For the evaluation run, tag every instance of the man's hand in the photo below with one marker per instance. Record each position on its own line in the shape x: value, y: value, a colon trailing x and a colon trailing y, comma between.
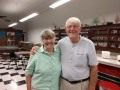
x: 34, y: 50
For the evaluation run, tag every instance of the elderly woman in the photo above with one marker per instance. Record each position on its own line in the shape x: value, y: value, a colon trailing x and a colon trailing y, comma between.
x: 44, y: 67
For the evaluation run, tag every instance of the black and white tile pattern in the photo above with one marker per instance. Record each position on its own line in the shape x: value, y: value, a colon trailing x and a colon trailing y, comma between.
x: 12, y: 78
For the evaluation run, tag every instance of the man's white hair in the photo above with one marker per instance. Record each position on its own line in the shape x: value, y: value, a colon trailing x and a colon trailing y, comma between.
x: 74, y: 20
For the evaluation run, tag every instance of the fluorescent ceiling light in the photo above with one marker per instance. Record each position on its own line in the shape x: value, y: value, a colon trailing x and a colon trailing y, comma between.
x: 58, y: 3
x: 13, y: 24
x: 28, y: 17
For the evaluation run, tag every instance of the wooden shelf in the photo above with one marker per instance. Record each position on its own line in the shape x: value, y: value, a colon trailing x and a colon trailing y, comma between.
x: 106, y: 40
x: 105, y: 37
x: 10, y: 37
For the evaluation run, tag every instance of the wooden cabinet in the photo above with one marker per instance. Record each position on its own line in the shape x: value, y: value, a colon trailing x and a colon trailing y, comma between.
x: 27, y: 46
x: 19, y: 36
x: 10, y: 37
x: 105, y: 37
x: 85, y: 32
x: 59, y: 34
x: 99, y: 37
x: 2, y: 37
x: 114, y: 38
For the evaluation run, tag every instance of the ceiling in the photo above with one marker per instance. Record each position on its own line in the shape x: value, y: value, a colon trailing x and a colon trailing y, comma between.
x: 17, y: 9
x: 13, y: 10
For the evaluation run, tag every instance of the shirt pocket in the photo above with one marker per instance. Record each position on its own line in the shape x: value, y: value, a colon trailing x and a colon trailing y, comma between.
x: 80, y: 59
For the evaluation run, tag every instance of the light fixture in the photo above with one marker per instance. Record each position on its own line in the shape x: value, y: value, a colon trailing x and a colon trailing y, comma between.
x: 58, y: 3
x: 28, y: 17
x: 13, y: 24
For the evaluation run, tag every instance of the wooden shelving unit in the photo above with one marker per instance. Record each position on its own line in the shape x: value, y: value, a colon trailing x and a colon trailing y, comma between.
x: 2, y: 37
x: 59, y: 34
x: 10, y: 37
x: 85, y: 32
x: 105, y: 37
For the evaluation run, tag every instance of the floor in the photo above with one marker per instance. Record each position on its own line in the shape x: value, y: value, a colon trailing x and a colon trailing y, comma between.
x: 12, y: 78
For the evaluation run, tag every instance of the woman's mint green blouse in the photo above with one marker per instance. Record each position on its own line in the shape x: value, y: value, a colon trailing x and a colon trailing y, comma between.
x: 44, y: 70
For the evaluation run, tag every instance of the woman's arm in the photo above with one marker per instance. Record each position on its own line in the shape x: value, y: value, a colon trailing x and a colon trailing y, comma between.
x: 28, y: 82
x: 29, y: 71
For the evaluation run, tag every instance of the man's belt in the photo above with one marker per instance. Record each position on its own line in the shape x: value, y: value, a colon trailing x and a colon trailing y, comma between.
x: 75, y: 82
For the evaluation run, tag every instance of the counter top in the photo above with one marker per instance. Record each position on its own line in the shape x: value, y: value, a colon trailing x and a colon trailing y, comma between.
x: 110, y: 62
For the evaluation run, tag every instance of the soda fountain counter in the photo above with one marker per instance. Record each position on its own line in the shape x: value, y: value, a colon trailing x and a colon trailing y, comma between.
x: 109, y: 68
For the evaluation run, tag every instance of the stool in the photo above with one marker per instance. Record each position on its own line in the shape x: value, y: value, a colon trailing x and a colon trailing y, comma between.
x: 106, y: 85
x: 13, y: 58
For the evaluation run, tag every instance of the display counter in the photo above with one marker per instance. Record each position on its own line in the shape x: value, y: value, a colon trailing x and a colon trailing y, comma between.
x: 109, y: 69
x: 109, y: 62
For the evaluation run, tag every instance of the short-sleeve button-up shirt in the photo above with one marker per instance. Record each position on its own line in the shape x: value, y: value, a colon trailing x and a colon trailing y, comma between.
x: 44, y: 70
x: 76, y: 58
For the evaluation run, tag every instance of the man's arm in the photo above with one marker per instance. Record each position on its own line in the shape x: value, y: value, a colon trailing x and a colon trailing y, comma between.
x: 93, y: 77
x: 33, y: 50
x: 28, y: 82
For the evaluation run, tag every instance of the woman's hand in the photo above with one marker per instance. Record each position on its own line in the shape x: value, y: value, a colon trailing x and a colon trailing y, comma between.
x: 34, y: 50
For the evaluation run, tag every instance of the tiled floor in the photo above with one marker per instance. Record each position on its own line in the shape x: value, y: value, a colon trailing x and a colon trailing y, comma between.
x: 10, y: 78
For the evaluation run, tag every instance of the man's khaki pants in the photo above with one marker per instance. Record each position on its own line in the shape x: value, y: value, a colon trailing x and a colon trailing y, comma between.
x: 65, y: 85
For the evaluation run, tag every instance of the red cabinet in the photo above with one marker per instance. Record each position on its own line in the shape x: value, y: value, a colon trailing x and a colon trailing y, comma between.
x: 109, y: 73
x: 113, y: 71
